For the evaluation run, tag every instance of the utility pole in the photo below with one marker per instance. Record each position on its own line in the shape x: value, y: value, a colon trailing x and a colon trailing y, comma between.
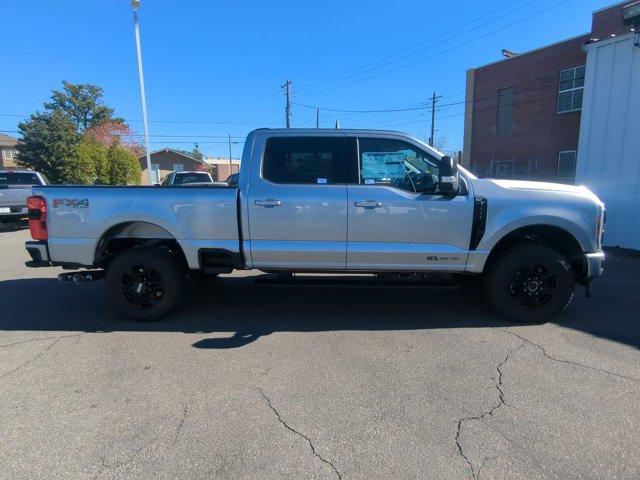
x: 230, y: 162
x: 434, y: 99
x: 287, y: 109
x: 317, y: 118
x: 134, y: 5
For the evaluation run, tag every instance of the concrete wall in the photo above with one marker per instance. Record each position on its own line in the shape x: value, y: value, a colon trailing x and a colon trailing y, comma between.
x: 609, y: 150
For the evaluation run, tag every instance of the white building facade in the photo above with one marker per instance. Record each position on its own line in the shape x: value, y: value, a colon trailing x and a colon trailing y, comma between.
x: 609, y: 146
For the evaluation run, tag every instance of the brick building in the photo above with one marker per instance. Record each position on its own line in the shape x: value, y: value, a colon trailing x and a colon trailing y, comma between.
x: 522, y: 113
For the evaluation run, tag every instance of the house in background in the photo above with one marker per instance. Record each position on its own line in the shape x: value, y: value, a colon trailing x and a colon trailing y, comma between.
x: 8, y: 152
x: 165, y: 161
x: 221, y: 168
x: 522, y: 113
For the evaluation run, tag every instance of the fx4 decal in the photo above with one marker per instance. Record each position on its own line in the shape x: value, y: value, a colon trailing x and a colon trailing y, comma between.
x: 71, y: 202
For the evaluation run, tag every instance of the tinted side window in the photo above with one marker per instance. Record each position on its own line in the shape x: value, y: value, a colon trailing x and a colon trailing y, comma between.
x: 397, y: 164
x: 307, y: 160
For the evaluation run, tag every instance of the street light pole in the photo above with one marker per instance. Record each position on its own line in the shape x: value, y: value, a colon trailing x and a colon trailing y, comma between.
x: 135, y: 4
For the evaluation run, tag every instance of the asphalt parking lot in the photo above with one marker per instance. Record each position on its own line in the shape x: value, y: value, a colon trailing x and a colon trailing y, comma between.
x: 310, y: 381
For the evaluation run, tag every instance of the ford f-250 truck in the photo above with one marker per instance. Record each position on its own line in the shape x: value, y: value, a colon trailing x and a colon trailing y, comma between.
x: 328, y: 201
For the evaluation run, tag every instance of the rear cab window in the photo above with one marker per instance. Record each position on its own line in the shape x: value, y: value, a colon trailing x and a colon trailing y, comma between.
x: 309, y: 160
x: 19, y: 178
x: 191, y: 177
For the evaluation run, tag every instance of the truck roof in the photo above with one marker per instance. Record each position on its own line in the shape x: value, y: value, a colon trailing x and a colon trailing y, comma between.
x: 338, y: 132
x: 324, y: 131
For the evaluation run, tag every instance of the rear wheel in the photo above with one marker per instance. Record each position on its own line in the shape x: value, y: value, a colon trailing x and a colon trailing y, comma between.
x: 530, y: 283
x: 144, y: 284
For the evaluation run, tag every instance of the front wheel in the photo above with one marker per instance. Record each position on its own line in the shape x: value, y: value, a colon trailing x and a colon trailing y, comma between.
x: 144, y: 284
x: 530, y: 283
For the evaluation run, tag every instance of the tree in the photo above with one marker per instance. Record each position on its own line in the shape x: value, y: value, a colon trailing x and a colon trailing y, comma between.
x: 124, y: 167
x: 110, y: 133
x: 195, y: 153
x: 83, y: 104
x: 47, y: 143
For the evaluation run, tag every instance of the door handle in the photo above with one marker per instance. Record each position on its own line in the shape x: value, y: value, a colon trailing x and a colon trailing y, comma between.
x: 368, y: 204
x: 269, y: 202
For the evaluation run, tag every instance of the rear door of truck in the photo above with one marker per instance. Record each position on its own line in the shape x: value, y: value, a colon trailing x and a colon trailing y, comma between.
x: 297, y: 202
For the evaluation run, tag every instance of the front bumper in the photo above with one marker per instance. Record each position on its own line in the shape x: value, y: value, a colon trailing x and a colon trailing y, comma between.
x: 39, y: 254
x: 594, y: 264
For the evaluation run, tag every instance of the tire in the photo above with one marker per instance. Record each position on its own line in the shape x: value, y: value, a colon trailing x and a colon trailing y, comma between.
x: 145, y: 284
x: 530, y: 283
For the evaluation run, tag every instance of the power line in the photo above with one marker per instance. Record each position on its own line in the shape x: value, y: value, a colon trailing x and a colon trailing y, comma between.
x: 326, y: 109
x: 504, y: 27
x: 195, y: 122
x: 348, y: 72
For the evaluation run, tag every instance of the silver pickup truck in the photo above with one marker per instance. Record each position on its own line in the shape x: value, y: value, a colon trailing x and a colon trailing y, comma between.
x: 323, y: 201
x: 15, y: 187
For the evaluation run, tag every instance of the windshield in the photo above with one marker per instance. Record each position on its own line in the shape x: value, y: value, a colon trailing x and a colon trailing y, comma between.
x: 191, y: 177
x: 19, y: 178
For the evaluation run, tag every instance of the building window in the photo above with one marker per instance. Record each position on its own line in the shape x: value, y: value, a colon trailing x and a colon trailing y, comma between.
x: 178, y: 167
x: 9, y: 154
x: 570, y: 89
x: 567, y: 166
x: 504, y: 125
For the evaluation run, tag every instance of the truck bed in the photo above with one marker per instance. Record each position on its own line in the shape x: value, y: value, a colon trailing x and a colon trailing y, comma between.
x: 199, y: 218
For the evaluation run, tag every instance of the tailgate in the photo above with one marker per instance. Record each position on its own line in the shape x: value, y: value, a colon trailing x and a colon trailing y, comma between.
x: 14, y: 196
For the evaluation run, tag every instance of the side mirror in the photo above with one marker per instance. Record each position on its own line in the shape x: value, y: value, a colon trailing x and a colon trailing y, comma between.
x: 448, y: 176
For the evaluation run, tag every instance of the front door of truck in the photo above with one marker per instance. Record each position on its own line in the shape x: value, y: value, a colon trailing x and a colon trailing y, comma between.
x: 397, y: 220
x: 297, y: 203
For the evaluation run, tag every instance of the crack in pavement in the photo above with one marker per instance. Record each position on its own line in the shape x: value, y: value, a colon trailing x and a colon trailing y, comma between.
x: 562, y: 360
x: 51, y: 345
x: 40, y: 339
x: 488, y: 413
x: 184, y: 415
x: 313, y: 448
x: 125, y: 463
x: 32, y: 359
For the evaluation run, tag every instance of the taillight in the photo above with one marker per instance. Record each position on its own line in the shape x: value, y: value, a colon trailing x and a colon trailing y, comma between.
x: 37, y: 207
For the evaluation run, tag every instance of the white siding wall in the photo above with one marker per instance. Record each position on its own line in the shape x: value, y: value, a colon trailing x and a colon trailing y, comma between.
x: 609, y: 146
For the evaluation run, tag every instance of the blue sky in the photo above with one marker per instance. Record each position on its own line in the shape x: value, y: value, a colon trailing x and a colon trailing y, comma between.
x: 215, y: 68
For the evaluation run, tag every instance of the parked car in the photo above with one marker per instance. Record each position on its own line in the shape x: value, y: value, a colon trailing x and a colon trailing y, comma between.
x: 187, y: 178
x: 232, y: 180
x: 328, y: 201
x: 15, y: 187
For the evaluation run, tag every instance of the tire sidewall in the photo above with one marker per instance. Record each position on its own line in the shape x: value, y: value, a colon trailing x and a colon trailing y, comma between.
x: 167, y: 267
x: 501, y: 275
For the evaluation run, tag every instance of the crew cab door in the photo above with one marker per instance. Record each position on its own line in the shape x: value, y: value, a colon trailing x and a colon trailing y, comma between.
x: 397, y: 220
x: 297, y: 203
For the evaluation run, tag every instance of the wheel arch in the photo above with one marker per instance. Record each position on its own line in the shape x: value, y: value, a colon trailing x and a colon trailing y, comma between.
x: 553, y: 236
x: 131, y: 234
